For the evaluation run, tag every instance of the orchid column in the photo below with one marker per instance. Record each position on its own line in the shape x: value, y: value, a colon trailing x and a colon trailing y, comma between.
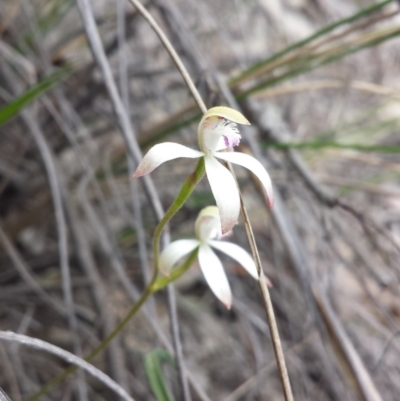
x: 217, y: 136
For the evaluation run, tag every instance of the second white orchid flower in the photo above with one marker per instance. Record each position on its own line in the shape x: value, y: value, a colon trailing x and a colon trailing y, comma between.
x: 217, y: 133
x: 208, y: 232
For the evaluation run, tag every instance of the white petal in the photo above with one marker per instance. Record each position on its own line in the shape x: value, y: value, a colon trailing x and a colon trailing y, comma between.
x: 214, y: 274
x: 239, y: 254
x: 226, y: 194
x: 161, y: 153
x: 254, y: 166
x: 175, y: 251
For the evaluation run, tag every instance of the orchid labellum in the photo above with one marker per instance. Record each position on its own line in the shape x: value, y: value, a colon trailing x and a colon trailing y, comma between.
x: 208, y: 234
x: 217, y: 135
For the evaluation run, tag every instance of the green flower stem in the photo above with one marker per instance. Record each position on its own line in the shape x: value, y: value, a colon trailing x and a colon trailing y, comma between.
x: 183, y: 195
x: 175, y: 273
x: 156, y: 283
x: 153, y: 287
x: 59, y: 379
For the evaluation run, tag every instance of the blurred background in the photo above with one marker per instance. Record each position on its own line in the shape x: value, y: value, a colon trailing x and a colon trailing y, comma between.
x: 319, y: 81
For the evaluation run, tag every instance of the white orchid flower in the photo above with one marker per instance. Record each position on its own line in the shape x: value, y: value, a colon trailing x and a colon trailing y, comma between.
x: 217, y: 133
x: 208, y: 232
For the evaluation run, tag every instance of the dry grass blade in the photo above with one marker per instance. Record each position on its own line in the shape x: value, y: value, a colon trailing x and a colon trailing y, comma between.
x: 54, y: 179
x: 360, y: 377
x: 326, y: 84
x: 172, y: 52
x: 107, y: 314
x: 68, y: 357
x: 269, y: 309
x: 4, y: 396
x: 119, y: 109
x: 325, y: 118
x: 27, y: 276
x: 309, y: 49
x: 262, y: 281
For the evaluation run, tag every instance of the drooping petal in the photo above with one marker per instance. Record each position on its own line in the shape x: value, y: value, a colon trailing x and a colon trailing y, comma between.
x: 227, y: 113
x: 214, y: 274
x: 254, y: 166
x: 175, y: 251
x: 162, y: 153
x: 239, y: 254
x: 225, y: 191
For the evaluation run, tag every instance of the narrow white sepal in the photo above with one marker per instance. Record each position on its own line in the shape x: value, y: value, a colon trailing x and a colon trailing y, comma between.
x: 214, y: 274
x: 237, y: 253
x: 225, y: 191
x: 175, y: 251
x: 162, y: 153
x: 254, y: 166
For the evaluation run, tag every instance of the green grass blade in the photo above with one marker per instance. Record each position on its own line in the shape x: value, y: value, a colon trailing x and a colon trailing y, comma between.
x: 16, y: 105
x: 335, y: 145
x: 311, y: 66
x: 152, y: 365
x: 328, y: 28
x: 313, y: 63
x: 54, y: 16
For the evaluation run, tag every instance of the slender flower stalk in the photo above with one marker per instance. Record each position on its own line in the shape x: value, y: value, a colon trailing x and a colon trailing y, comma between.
x: 208, y: 236
x: 230, y: 137
x: 183, y: 195
x: 217, y: 136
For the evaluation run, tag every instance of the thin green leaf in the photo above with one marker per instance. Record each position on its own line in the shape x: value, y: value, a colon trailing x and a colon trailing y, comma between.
x: 152, y: 365
x: 326, y: 29
x: 316, y: 64
x: 163, y: 281
x: 15, y: 106
x: 336, y: 145
x: 54, y: 15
